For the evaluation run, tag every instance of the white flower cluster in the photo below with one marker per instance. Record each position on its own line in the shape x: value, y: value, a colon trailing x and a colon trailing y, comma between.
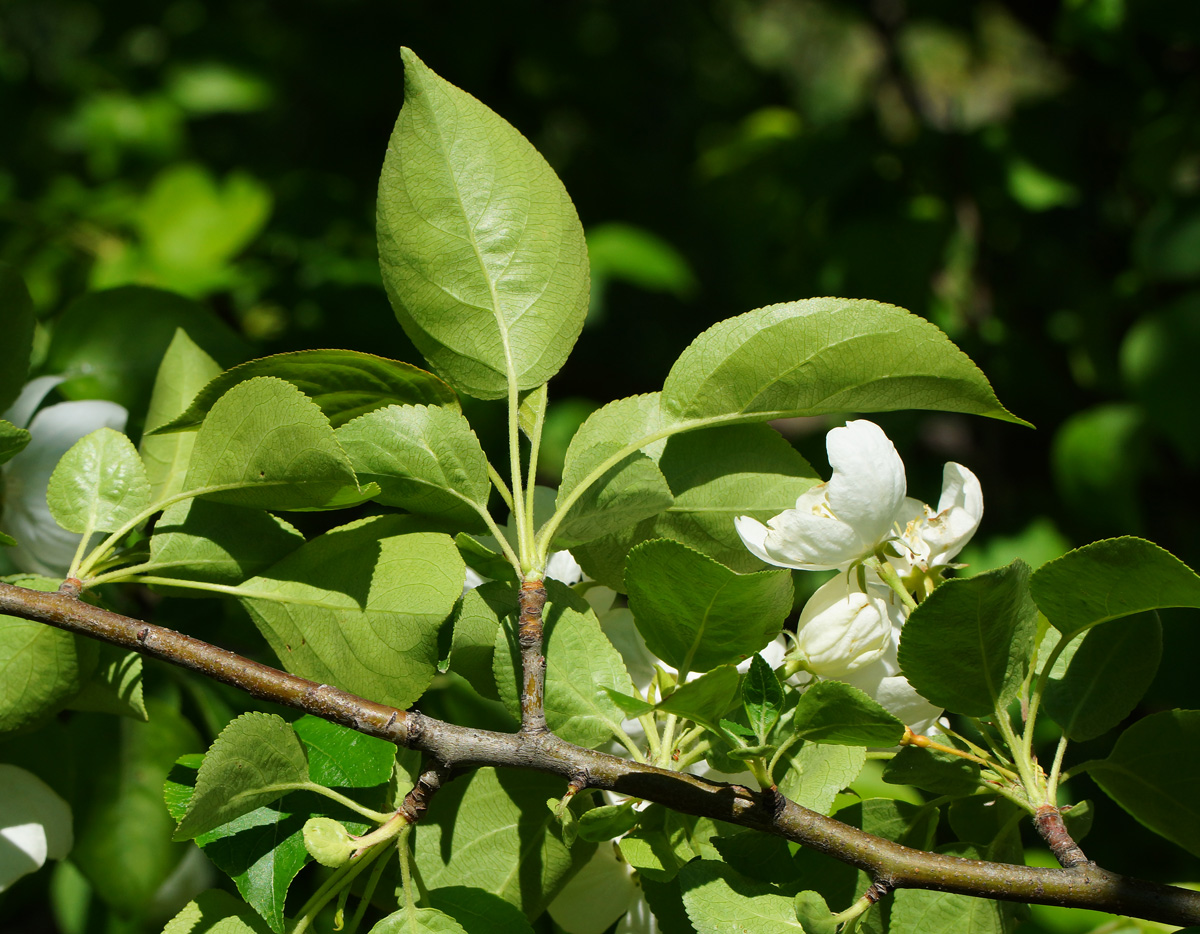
x: 850, y: 628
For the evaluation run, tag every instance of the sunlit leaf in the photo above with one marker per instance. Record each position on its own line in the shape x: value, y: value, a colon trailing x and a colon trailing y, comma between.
x: 99, y: 485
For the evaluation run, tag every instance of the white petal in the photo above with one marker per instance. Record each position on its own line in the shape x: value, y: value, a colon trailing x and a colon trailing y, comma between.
x: 960, y: 511
x: 30, y: 398
x: 842, y: 628
x: 35, y: 824
x: 42, y: 547
x: 561, y: 566
x: 838, y: 523
x: 896, y: 696
x: 473, y: 579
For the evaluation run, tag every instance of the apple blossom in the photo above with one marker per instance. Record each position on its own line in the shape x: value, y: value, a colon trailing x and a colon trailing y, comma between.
x: 843, y: 628
x: 843, y: 521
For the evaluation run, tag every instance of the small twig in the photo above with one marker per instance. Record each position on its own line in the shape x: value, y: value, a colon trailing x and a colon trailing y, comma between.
x: 1051, y: 828
x: 416, y: 802
x: 533, y: 664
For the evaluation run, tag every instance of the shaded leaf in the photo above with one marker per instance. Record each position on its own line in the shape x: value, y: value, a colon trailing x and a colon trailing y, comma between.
x: 762, y: 696
x: 705, y: 699
x: 16, y: 311
x: 215, y: 912
x: 1153, y: 772
x: 695, y: 613
x: 116, y: 685
x: 345, y: 384
x: 360, y: 607
x: 817, y: 772
x: 930, y: 770
x: 833, y: 712
x: 721, y: 901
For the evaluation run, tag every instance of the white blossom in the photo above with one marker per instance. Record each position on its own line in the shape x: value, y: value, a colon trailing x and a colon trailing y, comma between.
x: 35, y: 824
x: 843, y: 521
x: 843, y: 628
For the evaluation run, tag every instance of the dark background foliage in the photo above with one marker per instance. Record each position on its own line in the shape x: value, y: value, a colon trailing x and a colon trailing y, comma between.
x: 1025, y: 175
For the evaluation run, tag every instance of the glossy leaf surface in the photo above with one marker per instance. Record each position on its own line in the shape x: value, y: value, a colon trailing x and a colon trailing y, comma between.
x: 99, y: 484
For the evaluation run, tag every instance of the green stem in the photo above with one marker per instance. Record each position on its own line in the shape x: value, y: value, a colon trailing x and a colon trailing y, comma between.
x: 695, y: 754
x: 627, y: 741
x: 892, y: 579
x: 500, y: 485
x: 98, y: 552
x: 783, y: 748
x: 1055, y: 770
x: 332, y: 795
x: 668, y: 742
x: 535, y: 444
x: 1039, y: 688
x: 410, y: 903
x: 650, y: 725
x: 341, y: 878
x: 524, y: 545
x: 364, y: 901
x: 860, y: 907
x: 1023, y: 762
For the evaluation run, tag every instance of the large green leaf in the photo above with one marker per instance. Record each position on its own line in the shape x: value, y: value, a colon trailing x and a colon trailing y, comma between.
x: 425, y: 459
x: 705, y: 699
x: 267, y: 445
x: 16, y: 341
x: 967, y: 646
x: 1110, y: 579
x: 184, y: 371
x: 479, y: 912
x: 939, y: 772
x: 198, y: 540
x: 833, y: 712
x: 720, y: 900
x: 253, y: 755
x: 1106, y: 677
x: 609, y: 490
x: 40, y: 666
x: 1153, y: 772
x: 360, y: 607
x: 483, y: 256
x: 111, y: 343
x: 492, y: 830
x: 99, y: 485
x: 695, y: 613
x: 476, y: 622
x: 580, y: 664
x: 824, y: 355
x: 344, y: 383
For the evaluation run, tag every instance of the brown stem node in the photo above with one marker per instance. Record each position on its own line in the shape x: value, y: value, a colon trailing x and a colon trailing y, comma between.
x: 1051, y: 828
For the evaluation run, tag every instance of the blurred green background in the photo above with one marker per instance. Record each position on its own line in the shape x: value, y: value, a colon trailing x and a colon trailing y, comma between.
x: 1025, y: 175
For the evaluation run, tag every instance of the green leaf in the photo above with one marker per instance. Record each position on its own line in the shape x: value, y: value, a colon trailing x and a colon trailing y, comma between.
x: 762, y: 696
x: 930, y: 770
x: 607, y: 822
x: 197, y: 540
x: 476, y: 622
x: 215, y: 912
x: 631, y: 706
x: 722, y: 901
x: 1106, y: 677
x: 122, y: 832
x: 40, y: 666
x: 339, y: 757
x: 116, y: 685
x: 817, y: 772
x: 580, y: 663
x: 12, y: 441
x: 99, y: 485
x: 664, y: 841
x: 482, y: 254
x: 425, y: 459
x: 16, y: 311
x: 967, y: 646
x: 532, y: 412
x: 267, y: 446
x: 263, y: 850
x: 1153, y: 772
x: 606, y: 499
x: 813, y: 914
x: 940, y: 913
x: 834, y: 712
x: 705, y: 699
x: 414, y: 920
x: 1110, y: 579
x: 491, y: 830
x: 695, y: 613
x: 824, y: 355
x: 256, y: 752
x: 479, y: 912
x: 184, y: 370
x: 111, y: 343
x: 360, y: 607
x: 345, y: 384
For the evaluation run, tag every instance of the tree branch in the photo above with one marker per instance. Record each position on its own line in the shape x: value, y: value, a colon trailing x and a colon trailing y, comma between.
x: 532, y: 600
x: 889, y: 864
